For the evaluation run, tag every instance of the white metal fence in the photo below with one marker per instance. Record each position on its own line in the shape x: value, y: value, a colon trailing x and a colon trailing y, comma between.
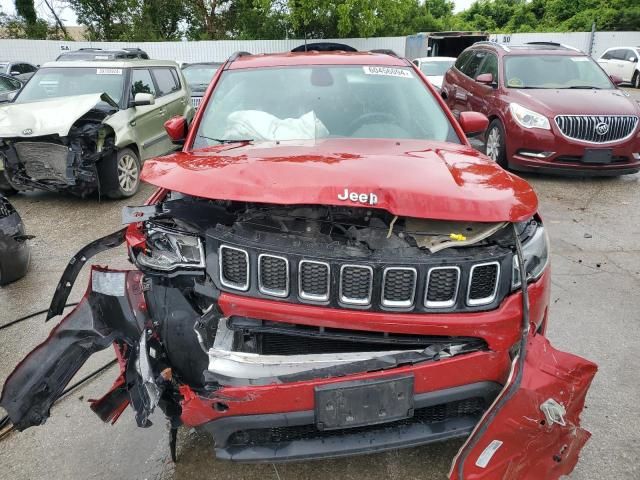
x: 42, y: 51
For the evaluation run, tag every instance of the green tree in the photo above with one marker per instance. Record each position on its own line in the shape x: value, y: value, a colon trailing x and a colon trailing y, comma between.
x: 105, y: 20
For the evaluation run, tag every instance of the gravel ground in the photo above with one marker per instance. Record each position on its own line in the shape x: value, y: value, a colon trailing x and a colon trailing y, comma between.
x: 594, y: 225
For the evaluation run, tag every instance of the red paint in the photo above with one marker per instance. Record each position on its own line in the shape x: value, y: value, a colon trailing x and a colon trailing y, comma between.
x: 532, y: 449
x: 473, y: 122
x: 299, y: 396
x: 176, y: 128
x: 466, y: 94
x: 499, y: 328
x: 410, y: 177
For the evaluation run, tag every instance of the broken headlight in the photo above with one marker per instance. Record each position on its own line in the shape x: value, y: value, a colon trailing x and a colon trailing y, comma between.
x: 168, y: 249
x: 536, y: 256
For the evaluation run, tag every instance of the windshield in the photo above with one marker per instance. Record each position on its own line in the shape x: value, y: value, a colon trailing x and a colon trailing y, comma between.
x: 435, y: 69
x: 302, y: 103
x: 554, y: 71
x: 199, y: 76
x: 55, y: 82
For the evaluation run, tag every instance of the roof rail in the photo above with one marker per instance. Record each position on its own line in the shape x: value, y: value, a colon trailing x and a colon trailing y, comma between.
x: 554, y: 44
x: 234, y: 56
x: 323, y: 47
x: 493, y: 44
x: 385, y: 51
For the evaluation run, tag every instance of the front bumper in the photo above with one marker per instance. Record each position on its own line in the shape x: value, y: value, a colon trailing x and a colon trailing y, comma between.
x: 568, y: 155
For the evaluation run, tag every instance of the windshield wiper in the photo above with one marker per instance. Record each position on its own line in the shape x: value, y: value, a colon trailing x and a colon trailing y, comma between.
x: 227, y: 140
x: 583, y: 87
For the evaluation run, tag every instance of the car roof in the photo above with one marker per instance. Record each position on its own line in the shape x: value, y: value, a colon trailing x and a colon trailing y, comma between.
x: 436, y: 59
x: 532, y: 48
x: 316, y: 58
x: 111, y: 63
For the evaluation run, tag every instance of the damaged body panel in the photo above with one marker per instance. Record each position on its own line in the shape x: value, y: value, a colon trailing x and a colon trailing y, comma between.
x: 15, y: 253
x: 53, y: 137
x: 319, y: 298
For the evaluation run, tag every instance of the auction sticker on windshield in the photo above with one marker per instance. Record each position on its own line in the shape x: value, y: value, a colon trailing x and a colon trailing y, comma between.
x: 387, y: 71
x: 109, y: 71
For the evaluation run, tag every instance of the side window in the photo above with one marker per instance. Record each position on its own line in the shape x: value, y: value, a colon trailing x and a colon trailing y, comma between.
x: 618, y: 54
x: 470, y: 68
x: 141, y: 82
x: 166, y: 81
x: 462, y: 59
x: 17, y: 67
x: 608, y: 55
x: 490, y: 65
x: 6, y: 85
x: 28, y: 68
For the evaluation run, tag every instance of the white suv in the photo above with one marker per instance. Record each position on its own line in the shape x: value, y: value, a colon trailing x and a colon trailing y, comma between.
x: 622, y: 62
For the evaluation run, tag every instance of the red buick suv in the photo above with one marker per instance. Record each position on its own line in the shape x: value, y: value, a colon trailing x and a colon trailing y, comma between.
x: 552, y: 109
x: 327, y: 268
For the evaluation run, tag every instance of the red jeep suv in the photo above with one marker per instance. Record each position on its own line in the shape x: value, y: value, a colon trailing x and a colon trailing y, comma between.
x: 327, y: 268
x: 551, y: 107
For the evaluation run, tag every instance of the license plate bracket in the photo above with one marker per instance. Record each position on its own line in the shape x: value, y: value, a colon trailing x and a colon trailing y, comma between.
x: 597, y: 155
x: 363, y: 402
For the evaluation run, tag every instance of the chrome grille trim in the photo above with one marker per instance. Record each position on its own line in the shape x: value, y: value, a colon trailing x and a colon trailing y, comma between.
x: 442, y: 304
x: 396, y: 303
x: 195, y: 101
x: 268, y: 291
x: 242, y: 287
x: 486, y: 300
x: 583, y: 127
x: 357, y: 301
x: 310, y: 296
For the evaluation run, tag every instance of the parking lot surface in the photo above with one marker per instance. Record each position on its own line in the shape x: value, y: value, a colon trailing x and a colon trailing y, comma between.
x: 594, y: 225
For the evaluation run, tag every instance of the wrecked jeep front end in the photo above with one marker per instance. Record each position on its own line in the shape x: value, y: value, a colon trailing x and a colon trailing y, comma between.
x: 312, y: 331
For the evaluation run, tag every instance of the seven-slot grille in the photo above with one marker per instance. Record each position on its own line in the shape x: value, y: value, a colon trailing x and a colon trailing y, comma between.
x: 597, y: 128
x: 399, y: 287
x: 442, y: 287
x: 483, y: 283
x: 273, y: 275
x: 195, y: 101
x: 356, y: 285
x: 234, y: 268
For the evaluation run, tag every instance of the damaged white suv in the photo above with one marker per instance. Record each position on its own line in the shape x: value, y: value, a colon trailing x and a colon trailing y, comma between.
x: 86, y: 126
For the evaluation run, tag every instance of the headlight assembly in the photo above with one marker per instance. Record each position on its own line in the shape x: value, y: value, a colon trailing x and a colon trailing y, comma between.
x: 168, y: 250
x: 528, y: 118
x: 536, y: 257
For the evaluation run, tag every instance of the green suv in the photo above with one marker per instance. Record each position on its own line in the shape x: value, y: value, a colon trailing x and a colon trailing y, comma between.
x: 86, y: 126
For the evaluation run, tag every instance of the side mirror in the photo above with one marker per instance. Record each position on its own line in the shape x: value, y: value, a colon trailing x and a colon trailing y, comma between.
x: 142, y: 99
x: 176, y: 128
x: 14, y: 73
x: 633, y: 60
x: 473, y: 123
x: 416, y: 63
x: 615, y: 79
x: 485, y: 78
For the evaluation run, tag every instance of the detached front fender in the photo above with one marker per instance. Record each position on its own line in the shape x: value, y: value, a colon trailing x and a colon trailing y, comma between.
x: 112, y: 310
x: 535, y: 434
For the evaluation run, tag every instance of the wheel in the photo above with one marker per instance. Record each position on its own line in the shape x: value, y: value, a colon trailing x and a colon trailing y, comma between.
x: 635, y: 81
x: 120, y: 174
x: 495, y: 144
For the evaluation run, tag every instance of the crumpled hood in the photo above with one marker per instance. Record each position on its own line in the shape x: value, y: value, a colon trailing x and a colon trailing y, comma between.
x: 552, y: 102
x: 46, y: 117
x: 408, y: 177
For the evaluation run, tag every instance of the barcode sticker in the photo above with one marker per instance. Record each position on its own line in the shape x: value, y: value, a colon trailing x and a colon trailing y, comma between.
x: 109, y: 71
x: 387, y: 71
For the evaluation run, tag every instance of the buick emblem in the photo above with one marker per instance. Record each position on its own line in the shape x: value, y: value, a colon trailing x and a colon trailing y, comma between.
x: 27, y: 131
x: 602, y: 128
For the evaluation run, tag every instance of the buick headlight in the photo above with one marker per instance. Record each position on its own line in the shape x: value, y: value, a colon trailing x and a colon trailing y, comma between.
x: 536, y: 257
x: 528, y: 118
x: 168, y: 250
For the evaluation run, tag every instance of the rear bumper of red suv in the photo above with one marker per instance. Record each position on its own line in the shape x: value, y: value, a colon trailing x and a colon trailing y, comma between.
x: 566, y: 156
x: 278, y: 422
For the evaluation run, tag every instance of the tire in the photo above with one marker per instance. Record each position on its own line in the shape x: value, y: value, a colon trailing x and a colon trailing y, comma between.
x: 120, y: 174
x: 635, y: 81
x: 495, y: 144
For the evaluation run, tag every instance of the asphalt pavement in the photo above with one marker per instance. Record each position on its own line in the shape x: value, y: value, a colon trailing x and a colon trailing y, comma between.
x: 594, y: 226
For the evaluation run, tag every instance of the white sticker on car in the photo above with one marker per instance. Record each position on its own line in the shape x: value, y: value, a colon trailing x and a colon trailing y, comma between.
x: 109, y: 71
x: 387, y: 71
